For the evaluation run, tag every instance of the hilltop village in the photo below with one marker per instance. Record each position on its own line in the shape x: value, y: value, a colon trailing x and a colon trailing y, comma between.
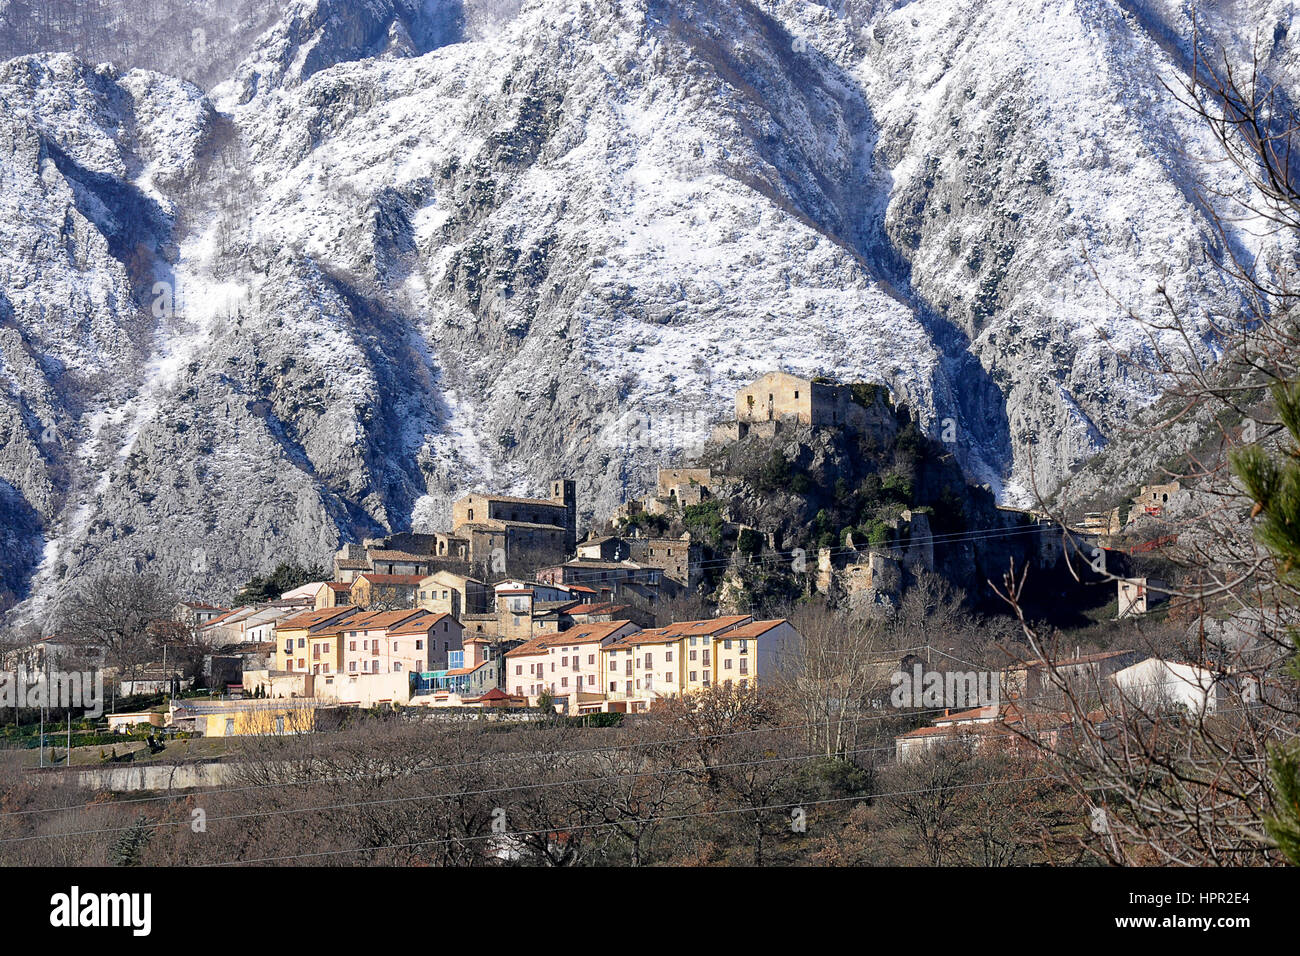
x: 812, y: 490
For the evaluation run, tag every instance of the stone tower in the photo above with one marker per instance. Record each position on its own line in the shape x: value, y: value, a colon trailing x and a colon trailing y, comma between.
x: 565, y: 492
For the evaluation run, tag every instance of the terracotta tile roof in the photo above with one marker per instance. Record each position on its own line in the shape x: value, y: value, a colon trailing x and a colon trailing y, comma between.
x: 383, y: 554
x: 587, y: 610
x: 217, y: 620
x: 754, y: 629
x: 309, y: 619
x: 419, y: 625
x: 711, y: 626
x: 584, y: 634
x: 368, y: 620
x: 989, y: 713
x: 352, y: 564
x: 411, y: 580
x: 338, y: 586
x: 494, y: 694
x: 656, y: 635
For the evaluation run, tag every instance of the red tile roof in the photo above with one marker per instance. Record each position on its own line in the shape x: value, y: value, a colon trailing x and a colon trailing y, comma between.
x: 754, y: 629
x: 583, y: 634
x: 309, y: 619
x: 411, y: 580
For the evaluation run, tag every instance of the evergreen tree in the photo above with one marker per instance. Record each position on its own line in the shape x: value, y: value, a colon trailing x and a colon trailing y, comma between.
x: 1274, y: 484
x: 130, y: 846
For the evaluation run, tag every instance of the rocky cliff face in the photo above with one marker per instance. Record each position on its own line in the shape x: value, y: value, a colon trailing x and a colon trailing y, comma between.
x: 408, y: 247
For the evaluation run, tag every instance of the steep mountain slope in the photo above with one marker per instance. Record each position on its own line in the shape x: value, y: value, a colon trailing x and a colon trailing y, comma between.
x: 413, y: 246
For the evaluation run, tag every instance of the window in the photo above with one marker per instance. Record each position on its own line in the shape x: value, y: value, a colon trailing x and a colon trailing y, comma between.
x: 668, y: 657
x: 419, y: 645
x: 668, y: 676
x: 279, y: 725
x: 726, y: 665
x: 591, y: 679
x: 519, y: 669
x: 591, y: 658
x: 693, y: 653
x: 613, y: 687
x: 706, y: 679
x: 230, y: 726
x: 692, y: 676
x: 352, y: 645
x: 352, y: 666
x: 727, y: 644
x: 302, y: 642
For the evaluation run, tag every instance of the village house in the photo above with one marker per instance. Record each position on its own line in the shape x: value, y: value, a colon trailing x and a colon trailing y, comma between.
x: 1085, y: 673
x: 127, y: 723
x: 194, y: 614
x: 396, y: 642
x: 242, y: 718
x: 1003, y: 728
x: 46, y: 655
x: 595, y: 574
x: 293, y: 634
x: 250, y: 624
x: 1154, y: 686
x: 604, y: 612
x: 689, y: 656
x: 565, y: 665
x: 386, y: 592
x: 1137, y: 596
x: 407, y: 553
x: 678, y: 558
x: 454, y: 594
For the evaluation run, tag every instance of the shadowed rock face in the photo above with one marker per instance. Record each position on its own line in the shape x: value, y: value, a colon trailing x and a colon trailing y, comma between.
x: 411, y: 247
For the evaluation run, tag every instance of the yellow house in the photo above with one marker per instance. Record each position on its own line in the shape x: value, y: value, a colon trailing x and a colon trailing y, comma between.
x: 248, y: 718
x: 640, y: 668
x: 293, y: 637
x: 689, y: 656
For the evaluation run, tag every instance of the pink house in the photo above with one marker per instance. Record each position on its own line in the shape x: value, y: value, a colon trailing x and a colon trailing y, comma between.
x: 563, y: 664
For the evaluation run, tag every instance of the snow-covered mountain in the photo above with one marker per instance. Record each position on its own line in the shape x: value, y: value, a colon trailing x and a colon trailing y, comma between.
x: 410, y: 247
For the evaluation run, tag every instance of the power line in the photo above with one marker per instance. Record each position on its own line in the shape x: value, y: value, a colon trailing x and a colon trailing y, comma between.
x: 496, y: 759
x: 418, y: 798
x: 644, y: 820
